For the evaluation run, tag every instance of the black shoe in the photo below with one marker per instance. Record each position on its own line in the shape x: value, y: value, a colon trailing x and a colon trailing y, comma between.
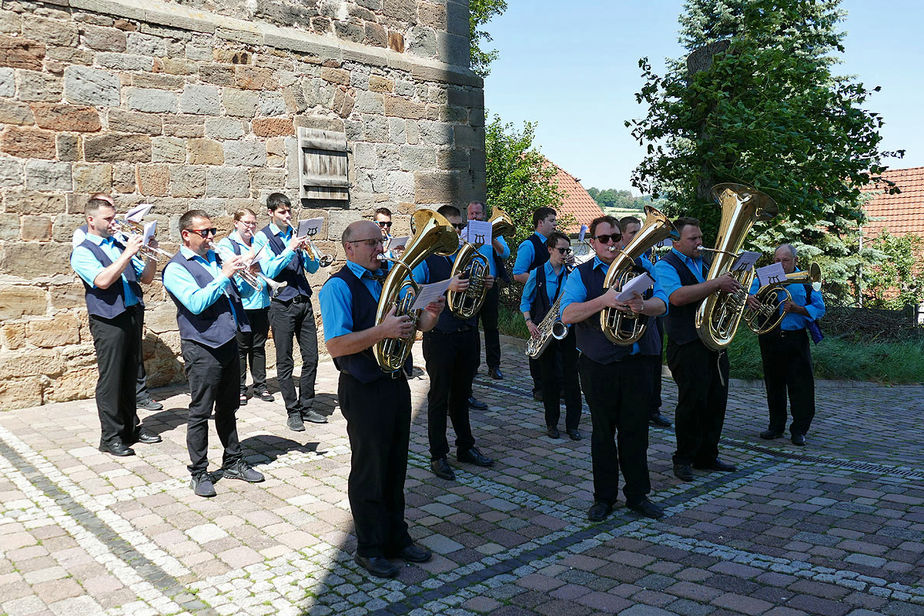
x: 473, y: 456
x: 798, y: 439
x: 769, y: 435
x: 313, y: 417
x: 599, y: 511
x: 495, y: 373
x: 378, y: 566
x: 202, y: 485
x: 537, y: 395
x: 683, y: 472
x: 646, y: 508
x: 243, y: 400
x: 148, y: 404
x: 441, y: 469
x: 264, y: 395
x: 415, y: 554
x: 478, y: 405
x: 717, y: 465
x: 553, y: 432
x: 659, y: 420
x: 116, y: 447
x: 575, y: 435
x: 295, y: 422
x: 243, y: 471
x: 146, y: 437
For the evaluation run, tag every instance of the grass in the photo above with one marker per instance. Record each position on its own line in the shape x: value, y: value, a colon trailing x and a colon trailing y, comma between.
x: 893, y: 363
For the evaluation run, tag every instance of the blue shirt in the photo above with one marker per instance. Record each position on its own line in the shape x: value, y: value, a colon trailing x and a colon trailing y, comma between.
x: 551, y: 285
x: 793, y: 321
x: 668, y: 277
x: 180, y: 282
x: 421, y: 273
x: 252, y: 299
x: 272, y: 264
x: 488, y: 251
x: 88, y: 266
x: 337, y: 301
x: 526, y: 255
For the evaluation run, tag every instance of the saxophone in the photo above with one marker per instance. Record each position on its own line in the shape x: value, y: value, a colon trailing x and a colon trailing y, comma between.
x: 550, y: 327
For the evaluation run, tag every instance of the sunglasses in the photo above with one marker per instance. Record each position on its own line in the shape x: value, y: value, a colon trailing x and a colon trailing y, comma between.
x: 459, y: 226
x: 564, y: 251
x: 203, y: 233
x: 383, y: 224
x: 605, y: 239
x: 371, y: 242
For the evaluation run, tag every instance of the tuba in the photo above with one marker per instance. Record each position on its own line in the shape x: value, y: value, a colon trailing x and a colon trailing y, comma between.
x: 627, y: 328
x: 469, y: 261
x: 434, y: 235
x: 768, y: 316
x: 718, y: 315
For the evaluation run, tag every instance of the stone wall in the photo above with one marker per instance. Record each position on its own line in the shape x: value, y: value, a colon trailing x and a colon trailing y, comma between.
x: 184, y: 108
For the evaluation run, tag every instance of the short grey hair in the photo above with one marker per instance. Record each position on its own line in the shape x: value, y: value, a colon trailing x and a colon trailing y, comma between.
x: 790, y: 248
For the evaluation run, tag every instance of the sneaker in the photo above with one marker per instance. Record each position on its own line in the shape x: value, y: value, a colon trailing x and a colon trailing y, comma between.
x: 148, y: 404
x: 313, y: 417
x: 243, y: 471
x: 295, y: 422
x: 264, y: 395
x: 202, y: 485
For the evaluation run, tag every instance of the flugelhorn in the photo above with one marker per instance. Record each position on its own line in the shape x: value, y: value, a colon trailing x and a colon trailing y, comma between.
x: 768, y: 315
x: 127, y: 228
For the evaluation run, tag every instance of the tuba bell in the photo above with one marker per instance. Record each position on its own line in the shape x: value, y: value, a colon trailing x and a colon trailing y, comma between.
x: 719, y: 314
x: 627, y: 328
x: 469, y: 261
x: 434, y: 234
x: 768, y: 316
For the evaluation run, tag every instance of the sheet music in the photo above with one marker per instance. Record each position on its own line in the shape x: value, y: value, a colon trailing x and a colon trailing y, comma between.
x: 149, y: 229
x: 429, y: 293
x: 398, y: 242
x: 477, y: 232
x: 639, y: 285
x: 138, y: 212
x: 582, y: 233
x: 309, y: 227
x: 770, y: 274
x: 745, y: 261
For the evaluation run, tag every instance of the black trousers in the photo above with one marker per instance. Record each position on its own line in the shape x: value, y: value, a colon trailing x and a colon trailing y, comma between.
x: 702, y: 395
x: 118, y: 350
x: 655, y: 408
x: 617, y: 395
x: 787, y: 360
x: 450, y: 361
x: 252, y: 347
x: 488, y: 317
x: 378, y: 418
x: 141, y: 382
x: 213, y: 379
x: 289, y: 320
x: 563, y: 353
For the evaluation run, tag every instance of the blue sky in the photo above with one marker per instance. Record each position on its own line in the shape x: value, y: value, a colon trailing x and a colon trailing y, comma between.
x: 573, y: 68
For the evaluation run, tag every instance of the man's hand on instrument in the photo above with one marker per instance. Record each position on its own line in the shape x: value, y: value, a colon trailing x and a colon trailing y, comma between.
x: 295, y: 242
x: 488, y: 281
x: 753, y: 302
x: 133, y: 244
x: 435, y: 308
x: 232, y: 266
x: 396, y: 326
x: 609, y: 299
x: 727, y: 283
x: 636, y: 303
x: 533, y: 330
x: 458, y: 284
x: 790, y: 306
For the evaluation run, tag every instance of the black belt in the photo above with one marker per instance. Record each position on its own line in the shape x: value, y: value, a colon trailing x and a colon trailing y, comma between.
x: 298, y: 299
x: 786, y: 333
x: 459, y: 330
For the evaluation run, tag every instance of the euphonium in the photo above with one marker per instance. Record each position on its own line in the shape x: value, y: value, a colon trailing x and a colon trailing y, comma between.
x: 718, y: 315
x: 627, y: 328
x: 434, y: 234
x: 768, y: 316
x: 469, y: 261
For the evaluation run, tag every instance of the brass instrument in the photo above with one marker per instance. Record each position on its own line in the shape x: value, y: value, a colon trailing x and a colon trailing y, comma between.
x: 625, y: 328
x: 256, y: 280
x: 768, y: 316
x: 717, y: 317
x: 469, y: 261
x: 550, y: 327
x: 434, y: 234
x: 127, y: 228
x: 316, y: 255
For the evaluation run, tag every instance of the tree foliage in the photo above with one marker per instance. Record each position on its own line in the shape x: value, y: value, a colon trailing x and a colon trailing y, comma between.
x: 480, y: 13
x: 616, y: 199
x: 898, y: 280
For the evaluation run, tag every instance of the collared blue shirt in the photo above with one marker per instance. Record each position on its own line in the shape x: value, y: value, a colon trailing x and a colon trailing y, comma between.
x: 551, y: 285
x: 421, y: 273
x: 180, y: 282
x: 252, y: 299
x: 88, y: 266
x: 488, y: 251
x: 668, y: 277
x: 337, y: 301
x: 526, y: 255
x: 272, y: 264
x: 793, y: 321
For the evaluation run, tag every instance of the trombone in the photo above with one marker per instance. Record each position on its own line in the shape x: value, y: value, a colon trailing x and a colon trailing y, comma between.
x: 127, y: 228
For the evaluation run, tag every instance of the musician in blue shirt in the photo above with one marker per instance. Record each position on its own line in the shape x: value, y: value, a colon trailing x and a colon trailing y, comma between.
x: 787, y: 356
x: 543, y: 287
x: 495, y: 254
x: 284, y: 259
x: 615, y: 378
x: 111, y: 273
x: 251, y: 345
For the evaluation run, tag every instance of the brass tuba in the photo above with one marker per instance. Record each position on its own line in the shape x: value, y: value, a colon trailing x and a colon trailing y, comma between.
x: 434, y: 234
x: 628, y: 328
x: 768, y: 316
x: 718, y: 315
x: 469, y: 261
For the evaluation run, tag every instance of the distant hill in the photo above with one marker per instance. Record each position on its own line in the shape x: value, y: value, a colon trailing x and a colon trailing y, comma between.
x: 620, y: 202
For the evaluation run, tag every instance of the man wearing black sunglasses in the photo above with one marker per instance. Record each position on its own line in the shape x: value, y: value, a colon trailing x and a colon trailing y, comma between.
x: 615, y: 379
x: 382, y: 218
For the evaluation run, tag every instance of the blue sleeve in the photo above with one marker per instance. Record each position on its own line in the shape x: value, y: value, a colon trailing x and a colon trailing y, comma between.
x: 661, y: 295
x: 667, y: 277
x: 183, y: 286
x: 271, y: 264
x: 529, y: 292
x: 525, y: 256
x: 86, y: 265
x: 336, y: 308
x: 505, y: 254
x: 574, y: 292
x: 421, y: 273
x: 816, y: 308
x: 310, y: 265
x: 755, y: 286
x: 647, y: 264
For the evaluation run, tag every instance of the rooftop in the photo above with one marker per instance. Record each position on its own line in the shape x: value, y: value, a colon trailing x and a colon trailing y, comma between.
x: 902, y: 213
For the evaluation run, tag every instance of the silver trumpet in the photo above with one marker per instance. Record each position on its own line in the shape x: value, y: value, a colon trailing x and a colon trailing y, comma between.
x: 322, y: 259
x: 256, y: 280
x: 128, y: 228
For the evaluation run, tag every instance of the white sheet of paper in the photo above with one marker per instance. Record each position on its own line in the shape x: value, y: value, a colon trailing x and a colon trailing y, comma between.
x: 638, y: 284
x: 430, y: 293
x: 745, y: 261
x: 770, y: 274
x: 477, y: 232
x: 582, y: 233
x: 149, y: 229
x: 256, y: 255
x: 665, y: 243
x: 138, y: 212
x: 398, y: 242
x: 309, y: 227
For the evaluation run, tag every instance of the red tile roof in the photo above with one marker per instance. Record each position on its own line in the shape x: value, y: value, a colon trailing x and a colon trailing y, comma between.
x: 576, y: 200
x: 902, y: 213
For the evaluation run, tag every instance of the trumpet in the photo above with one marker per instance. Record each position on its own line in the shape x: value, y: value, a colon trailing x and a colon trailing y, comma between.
x: 256, y: 280
x: 127, y: 228
x: 322, y: 259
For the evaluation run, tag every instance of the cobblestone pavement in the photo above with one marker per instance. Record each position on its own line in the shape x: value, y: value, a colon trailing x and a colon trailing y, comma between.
x: 835, y: 528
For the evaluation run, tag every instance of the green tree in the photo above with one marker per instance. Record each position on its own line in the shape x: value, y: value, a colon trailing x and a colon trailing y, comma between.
x: 897, y: 280
x: 480, y: 13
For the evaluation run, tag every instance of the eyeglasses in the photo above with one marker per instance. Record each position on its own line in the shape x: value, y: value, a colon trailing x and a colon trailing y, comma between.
x: 383, y: 224
x: 203, y: 233
x: 564, y: 251
x: 606, y: 239
x: 459, y: 226
x: 371, y: 242
x: 248, y: 223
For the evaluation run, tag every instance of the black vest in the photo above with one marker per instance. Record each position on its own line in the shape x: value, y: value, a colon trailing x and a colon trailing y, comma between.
x: 590, y: 338
x: 109, y: 303
x: 540, y: 306
x: 540, y: 252
x: 292, y: 274
x: 440, y: 267
x: 679, y: 320
x: 215, y: 325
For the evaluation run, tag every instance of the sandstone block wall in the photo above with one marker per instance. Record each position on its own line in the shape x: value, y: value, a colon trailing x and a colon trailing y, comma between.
x: 195, y: 105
